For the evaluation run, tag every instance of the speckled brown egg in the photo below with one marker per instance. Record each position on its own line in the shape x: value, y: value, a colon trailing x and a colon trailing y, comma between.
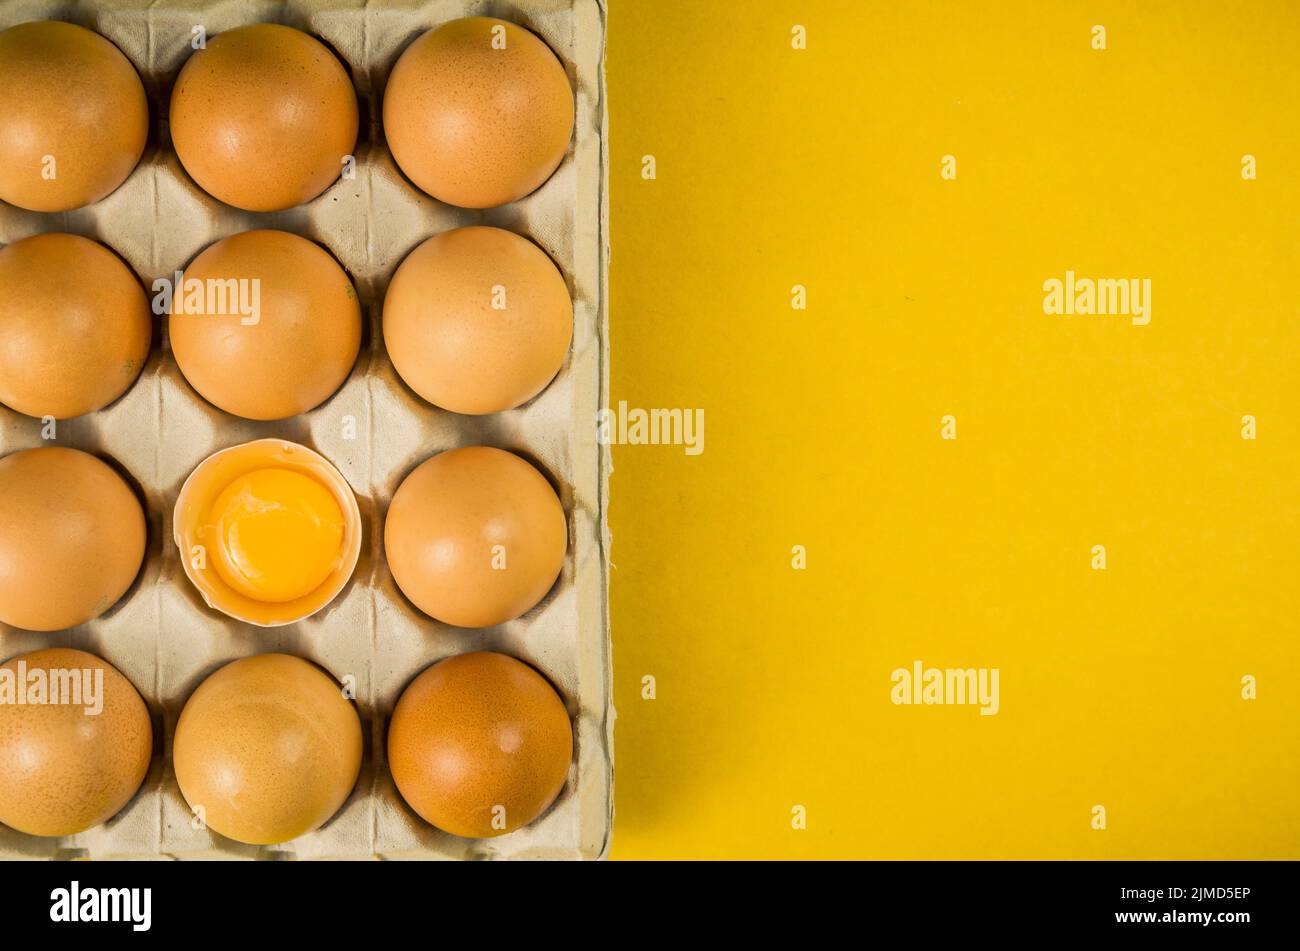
x: 77, y: 747
x: 267, y: 749
x: 73, y: 116
x: 264, y: 117
x: 478, y: 112
x: 75, y: 326
x: 477, y: 320
x: 480, y: 745
x: 475, y: 536
x: 72, y: 538
x: 289, y: 343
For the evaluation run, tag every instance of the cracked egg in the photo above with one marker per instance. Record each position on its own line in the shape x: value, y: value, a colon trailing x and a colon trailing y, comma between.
x: 268, y: 531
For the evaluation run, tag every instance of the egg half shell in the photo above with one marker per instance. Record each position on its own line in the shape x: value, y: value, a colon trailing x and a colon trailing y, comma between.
x: 197, y: 535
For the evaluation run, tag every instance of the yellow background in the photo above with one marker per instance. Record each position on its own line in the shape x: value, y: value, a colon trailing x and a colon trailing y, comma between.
x: 821, y: 167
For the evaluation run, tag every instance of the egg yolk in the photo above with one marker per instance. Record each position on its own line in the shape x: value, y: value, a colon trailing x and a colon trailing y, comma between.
x: 279, y: 534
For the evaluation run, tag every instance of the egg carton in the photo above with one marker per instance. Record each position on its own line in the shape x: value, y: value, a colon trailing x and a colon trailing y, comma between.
x: 375, y: 430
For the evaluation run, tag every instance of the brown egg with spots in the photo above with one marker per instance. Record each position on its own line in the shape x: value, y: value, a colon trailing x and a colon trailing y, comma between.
x: 76, y: 326
x: 268, y: 748
x: 73, y: 117
x: 480, y: 745
x: 475, y: 536
x: 477, y: 320
x: 478, y: 112
x: 264, y: 117
x: 75, y: 751
x: 282, y: 339
x: 72, y: 538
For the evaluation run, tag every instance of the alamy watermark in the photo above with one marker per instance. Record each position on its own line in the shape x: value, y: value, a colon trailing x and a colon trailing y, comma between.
x: 180, y: 296
x: 55, y: 686
x: 133, y: 906
x: 921, y: 685
x: 1098, y: 297
x: 624, y: 426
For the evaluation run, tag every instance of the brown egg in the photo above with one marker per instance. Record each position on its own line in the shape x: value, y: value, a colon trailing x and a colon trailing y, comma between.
x: 268, y: 748
x: 73, y: 117
x: 71, y: 538
x: 289, y: 346
x: 263, y: 118
x: 477, y: 320
x: 75, y: 742
x: 479, y: 745
x: 478, y: 112
x: 75, y: 323
x: 475, y: 536
x: 268, y: 532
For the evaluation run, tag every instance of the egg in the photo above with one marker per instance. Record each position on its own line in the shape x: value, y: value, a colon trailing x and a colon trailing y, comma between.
x: 75, y: 323
x: 477, y: 320
x: 73, y: 117
x: 475, y: 536
x: 478, y: 112
x: 268, y: 748
x: 286, y: 346
x: 264, y: 117
x: 480, y: 745
x: 72, y: 538
x: 268, y: 532
x: 75, y: 742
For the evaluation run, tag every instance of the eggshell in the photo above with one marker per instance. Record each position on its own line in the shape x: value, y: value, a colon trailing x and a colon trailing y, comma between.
x: 477, y: 320
x: 75, y: 325
x: 268, y: 748
x: 300, y: 348
x: 475, y: 536
x: 70, y: 96
x: 63, y: 768
x: 194, y: 527
x: 72, y: 537
x: 475, y: 123
x: 263, y: 118
x: 480, y: 745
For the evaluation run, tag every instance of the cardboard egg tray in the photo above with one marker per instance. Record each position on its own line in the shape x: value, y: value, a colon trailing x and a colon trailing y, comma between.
x: 375, y: 430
